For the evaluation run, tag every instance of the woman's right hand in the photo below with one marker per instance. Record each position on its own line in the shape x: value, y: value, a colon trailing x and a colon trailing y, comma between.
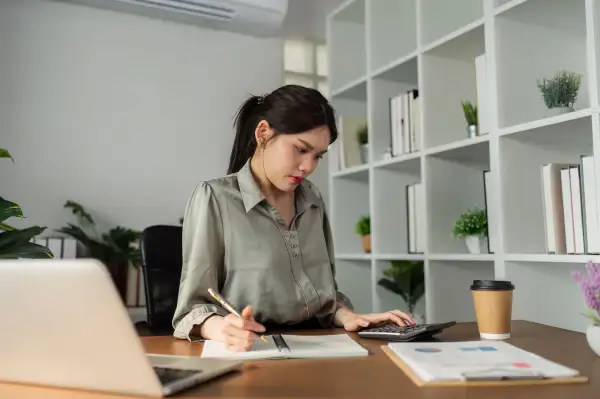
x: 237, y: 334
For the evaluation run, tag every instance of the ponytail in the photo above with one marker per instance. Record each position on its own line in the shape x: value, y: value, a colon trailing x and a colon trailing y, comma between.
x: 244, y: 143
x: 289, y: 109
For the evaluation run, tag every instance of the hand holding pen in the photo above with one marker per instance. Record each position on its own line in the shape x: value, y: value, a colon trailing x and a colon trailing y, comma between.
x: 239, y: 328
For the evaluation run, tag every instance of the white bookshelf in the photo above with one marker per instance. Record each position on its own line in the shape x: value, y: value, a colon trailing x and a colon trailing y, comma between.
x: 381, y: 48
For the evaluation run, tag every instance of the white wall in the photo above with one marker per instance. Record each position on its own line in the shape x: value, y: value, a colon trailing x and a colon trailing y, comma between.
x: 121, y: 113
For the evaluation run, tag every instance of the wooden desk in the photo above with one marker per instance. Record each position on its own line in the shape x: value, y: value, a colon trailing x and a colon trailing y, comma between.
x: 374, y: 376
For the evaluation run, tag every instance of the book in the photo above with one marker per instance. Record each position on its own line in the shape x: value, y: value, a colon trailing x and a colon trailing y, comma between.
x: 282, y: 346
x: 476, y: 360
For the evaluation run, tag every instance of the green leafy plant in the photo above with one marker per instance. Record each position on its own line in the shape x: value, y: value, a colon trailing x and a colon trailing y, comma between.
x: 560, y: 90
x: 470, y: 112
x: 362, y: 134
x: 407, y: 279
x: 117, y: 248
x: 473, y: 222
x: 16, y: 243
x: 363, y: 226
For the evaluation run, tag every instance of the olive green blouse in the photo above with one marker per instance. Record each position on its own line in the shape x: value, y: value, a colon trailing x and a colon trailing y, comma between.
x: 235, y: 242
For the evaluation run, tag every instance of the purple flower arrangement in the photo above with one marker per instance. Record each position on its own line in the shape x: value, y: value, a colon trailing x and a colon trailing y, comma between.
x: 590, y: 288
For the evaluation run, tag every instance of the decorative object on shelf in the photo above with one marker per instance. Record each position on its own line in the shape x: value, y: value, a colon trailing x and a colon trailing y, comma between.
x: 117, y: 249
x: 362, y: 135
x: 363, y: 228
x: 590, y: 288
x: 470, y: 112
x: 16, y: 243
x: 472, y: 225
x: 560, y: 91
x: 407, y: 279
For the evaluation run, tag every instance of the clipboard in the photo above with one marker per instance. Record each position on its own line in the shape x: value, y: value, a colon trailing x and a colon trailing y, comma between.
x: 481, y: 381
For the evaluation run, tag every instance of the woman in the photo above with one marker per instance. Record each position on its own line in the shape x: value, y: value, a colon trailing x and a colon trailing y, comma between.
x: 260, y: 236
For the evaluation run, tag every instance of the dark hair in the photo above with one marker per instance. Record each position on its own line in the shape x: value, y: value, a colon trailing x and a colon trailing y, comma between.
x: 289, y: 109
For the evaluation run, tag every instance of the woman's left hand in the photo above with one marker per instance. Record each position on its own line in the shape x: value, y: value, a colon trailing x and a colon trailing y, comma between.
x: 353, y: 321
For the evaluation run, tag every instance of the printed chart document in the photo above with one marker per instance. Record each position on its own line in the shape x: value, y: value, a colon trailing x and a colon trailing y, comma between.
x: 476, y: 360
x: 281, y: 346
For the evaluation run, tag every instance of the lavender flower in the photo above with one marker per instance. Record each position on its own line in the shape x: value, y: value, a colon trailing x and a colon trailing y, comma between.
x: 590, y: 288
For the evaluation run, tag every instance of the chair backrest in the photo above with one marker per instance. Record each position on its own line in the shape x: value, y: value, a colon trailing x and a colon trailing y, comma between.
x: 161, y: 256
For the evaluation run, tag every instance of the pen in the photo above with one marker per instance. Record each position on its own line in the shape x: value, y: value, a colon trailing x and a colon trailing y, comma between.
x: 229, y: 307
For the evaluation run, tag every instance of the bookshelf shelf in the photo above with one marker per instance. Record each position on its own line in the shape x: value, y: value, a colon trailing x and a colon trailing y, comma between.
x: 540, y: 123
x: 396, y: 256
x: 520, y: 31
x: 440, y: 21
x: 505, y: 5
x: 463, y: 257
x: 356, y: 89
x: 415, y: 61
x: 448, y: 79
x: 357, y: 256
x: 551, y: 258
x: 397, y: 161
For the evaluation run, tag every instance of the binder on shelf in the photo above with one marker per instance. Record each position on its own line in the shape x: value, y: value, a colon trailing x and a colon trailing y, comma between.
x: 476, y: 363
x: 415, y: 218
x: 488, y: 195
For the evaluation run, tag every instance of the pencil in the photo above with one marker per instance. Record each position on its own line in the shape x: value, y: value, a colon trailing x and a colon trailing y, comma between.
x: 229, y: 307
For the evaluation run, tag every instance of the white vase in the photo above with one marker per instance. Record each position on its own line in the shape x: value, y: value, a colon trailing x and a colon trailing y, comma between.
x: 476, y: 244
x: 593, y: 338
x: 364, y: 153
x: 560, y: 110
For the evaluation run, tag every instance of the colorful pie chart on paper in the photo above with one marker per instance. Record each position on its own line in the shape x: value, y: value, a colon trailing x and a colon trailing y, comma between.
x: 428, y: 350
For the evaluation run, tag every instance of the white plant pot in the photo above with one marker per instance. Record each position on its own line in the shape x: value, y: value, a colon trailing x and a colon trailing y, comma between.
x: 476, y: 244
x: 364, y: 153
x: 593, y: 338
x: 560, y: 110
x: 473, y: 131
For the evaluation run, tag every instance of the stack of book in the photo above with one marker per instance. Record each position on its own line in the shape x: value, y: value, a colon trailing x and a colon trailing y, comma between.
x: 570, y: 207
x: 406, y: 130
x: 415, y: 205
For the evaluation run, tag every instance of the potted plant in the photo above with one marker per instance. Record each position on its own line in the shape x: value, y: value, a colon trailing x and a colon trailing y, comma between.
x: 117, y: 249
x: 472, y: 225
x: 470, y: 113
x: 362, y: 135
x: 16, y: 243
x: 560, y: 91
x: 363, y: 228
x: 590, y: 288
x: 407, y: 279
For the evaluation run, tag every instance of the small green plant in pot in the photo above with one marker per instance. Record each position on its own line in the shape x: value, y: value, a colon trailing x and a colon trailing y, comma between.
x: 470, y: 113
x: 363, y: 228
x: 472, y: 225
x: 117, y: 248
x: 407, y: 279
x: 16, y: 243
x: 362, y: 136
x: 560, y: 91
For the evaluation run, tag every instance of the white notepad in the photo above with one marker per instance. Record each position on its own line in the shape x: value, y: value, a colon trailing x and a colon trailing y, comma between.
x: 476, y: 360
x: 281, y: 346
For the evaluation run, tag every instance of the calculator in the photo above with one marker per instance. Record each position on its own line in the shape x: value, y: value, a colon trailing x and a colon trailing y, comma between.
x: 394, y: 332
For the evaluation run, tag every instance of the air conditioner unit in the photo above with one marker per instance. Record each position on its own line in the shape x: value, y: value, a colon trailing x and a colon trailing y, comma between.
x: 256, y: 17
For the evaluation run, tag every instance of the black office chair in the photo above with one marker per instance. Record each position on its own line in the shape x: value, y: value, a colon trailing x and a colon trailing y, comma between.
x: 161, y: 260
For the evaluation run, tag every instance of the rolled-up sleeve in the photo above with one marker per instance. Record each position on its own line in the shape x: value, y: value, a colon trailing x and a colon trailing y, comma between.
x: 203, y: 261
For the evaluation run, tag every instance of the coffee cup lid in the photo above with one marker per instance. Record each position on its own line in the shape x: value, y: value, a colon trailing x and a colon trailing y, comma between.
x: 492, y: 285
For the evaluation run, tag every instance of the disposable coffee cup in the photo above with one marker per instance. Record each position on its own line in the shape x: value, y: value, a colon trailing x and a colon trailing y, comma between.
x: 493, y: 307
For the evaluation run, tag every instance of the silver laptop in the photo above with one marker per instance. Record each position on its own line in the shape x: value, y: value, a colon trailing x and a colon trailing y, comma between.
x: 63, y: 324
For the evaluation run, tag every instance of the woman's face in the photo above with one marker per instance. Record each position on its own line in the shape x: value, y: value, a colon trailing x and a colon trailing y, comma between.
x: 290, y: 158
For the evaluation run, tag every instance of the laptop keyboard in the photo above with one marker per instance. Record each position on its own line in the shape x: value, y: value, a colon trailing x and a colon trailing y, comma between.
x: 168, y: 375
